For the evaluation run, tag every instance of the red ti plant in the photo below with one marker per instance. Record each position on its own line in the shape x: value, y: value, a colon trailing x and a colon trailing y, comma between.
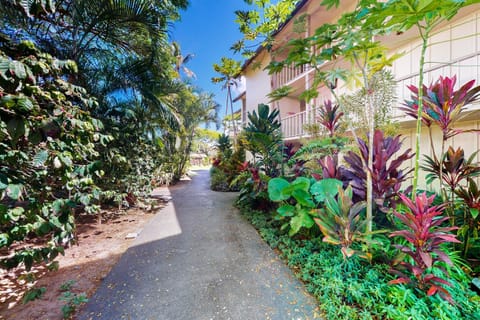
x: 330, y: 169
x: 442, y: 105
x: 329, y: 116
x: 454, y: 168
x: 425, y: 236
x: 216, y: 162
x: 296, y: 165
x: 387, y: 177
x: 244, y: 166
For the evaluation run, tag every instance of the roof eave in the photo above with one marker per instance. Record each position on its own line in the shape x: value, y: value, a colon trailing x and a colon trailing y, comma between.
x: 298, y: 7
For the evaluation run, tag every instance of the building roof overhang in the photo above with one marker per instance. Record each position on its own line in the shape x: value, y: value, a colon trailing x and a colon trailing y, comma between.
x: 260, y: 48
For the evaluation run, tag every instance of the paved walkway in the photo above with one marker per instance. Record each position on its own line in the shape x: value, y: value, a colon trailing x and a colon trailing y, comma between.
x: 199, y: 259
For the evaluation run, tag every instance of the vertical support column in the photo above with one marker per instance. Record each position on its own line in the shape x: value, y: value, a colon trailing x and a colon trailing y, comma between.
x: 308, y: 106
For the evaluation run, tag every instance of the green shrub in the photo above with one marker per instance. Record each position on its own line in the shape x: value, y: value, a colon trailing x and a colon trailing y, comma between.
x: 48, y: 154
x: 218, y: 180
x: 226, y: 166
x: 355, y: 289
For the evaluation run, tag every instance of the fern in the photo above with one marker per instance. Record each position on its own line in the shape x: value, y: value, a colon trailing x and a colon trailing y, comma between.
x: 317, y: 149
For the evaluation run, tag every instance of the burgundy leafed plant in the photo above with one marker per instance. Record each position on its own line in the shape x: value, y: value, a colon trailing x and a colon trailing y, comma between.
x: 329, y: 116
x: 470, y: 194
x: 442, y: 104
x: 216, y: 162
x: 243, y: 166
x: 330, y: 168
x: 455, y: 167
x: 425, y: 236
x: 297, y: 165
x: 387, y: 177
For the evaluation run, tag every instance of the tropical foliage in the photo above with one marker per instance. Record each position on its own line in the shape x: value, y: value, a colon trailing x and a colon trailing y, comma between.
x: 433, y: 239
x: 94, y: 111
x: 425, y: 234
x: 48, y: 153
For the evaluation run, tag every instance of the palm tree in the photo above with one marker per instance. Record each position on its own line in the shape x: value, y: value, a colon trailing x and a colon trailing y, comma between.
x: 181, y: 60
x: 229, y: 71
x: 195, y: 108
x: 117, y: 44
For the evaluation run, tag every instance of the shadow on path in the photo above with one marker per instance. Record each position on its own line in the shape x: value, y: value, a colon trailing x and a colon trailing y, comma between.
x: 198, y: 259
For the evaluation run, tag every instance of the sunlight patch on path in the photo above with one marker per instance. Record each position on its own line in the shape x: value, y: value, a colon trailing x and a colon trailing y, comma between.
x: 163, y: 228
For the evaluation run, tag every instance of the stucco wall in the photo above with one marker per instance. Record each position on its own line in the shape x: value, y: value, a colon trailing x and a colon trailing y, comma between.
x: 470, y: 142
x: 258, y: 82
x: 453, y: 50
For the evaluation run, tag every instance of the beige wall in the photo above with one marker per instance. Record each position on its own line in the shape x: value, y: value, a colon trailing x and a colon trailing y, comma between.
x: 470, y: 142
x: 257, y: 82
x: 287, y: 106
x: 454, y: 49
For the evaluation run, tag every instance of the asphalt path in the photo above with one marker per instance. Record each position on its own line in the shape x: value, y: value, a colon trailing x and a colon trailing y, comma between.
x: 199, y: 259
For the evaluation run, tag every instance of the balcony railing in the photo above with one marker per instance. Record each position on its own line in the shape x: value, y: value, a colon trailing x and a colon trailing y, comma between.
x: 297, y: 125
x: 288, y: 74
x: 466, y: 68
x: 293, y: 125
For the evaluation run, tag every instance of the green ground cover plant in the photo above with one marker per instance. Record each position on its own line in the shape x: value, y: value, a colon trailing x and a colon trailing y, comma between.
x: 424, y: 269
x: 357, y: 289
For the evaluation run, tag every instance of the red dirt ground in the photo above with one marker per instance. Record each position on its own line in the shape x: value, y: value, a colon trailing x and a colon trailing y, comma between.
x: 99, y: 248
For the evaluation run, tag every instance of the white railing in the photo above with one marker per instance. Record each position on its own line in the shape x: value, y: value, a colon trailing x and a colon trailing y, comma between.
x: 288, y: 74
x: 466, y: 68
x: 293, y: 125
x: 296, y: 125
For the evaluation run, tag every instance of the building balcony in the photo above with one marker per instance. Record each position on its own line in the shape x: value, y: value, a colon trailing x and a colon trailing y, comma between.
x: 296, y: 125
x: 466, y: 68
x: 288, y: 75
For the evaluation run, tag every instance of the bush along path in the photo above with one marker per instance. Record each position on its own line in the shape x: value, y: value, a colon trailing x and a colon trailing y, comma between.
x: 199, y: 259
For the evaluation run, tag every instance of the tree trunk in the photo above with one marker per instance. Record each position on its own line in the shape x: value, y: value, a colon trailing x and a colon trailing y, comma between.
x: 418, y: 131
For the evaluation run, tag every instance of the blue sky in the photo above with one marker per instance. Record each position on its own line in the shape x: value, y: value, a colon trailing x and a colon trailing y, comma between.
x: 208, y: 29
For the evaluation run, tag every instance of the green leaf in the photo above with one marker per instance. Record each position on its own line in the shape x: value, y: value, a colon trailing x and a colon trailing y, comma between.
x: 287, y: 191
x: 325, y: 188
x: 16, y: 129
x: 286, y: 210
x: 15, y: 214
x: 44, y: 229
x: 85, y: 199
x: 24, y: 104
x: 3, y: 181
x: 66, y: 159
x: 474, y: 212
x: 18, y: 69
x: 56, y: 222
x: 303, y: 198
x: 35, y: 137
x: 32, y: 294
x: 301, y: 183
x: 330, y: 3
x: 14, y: 191
x: 40, y: 158
x: 4, y: 64
x: 275, y: 188
x: 303, y: 219
x: 4, y: 240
